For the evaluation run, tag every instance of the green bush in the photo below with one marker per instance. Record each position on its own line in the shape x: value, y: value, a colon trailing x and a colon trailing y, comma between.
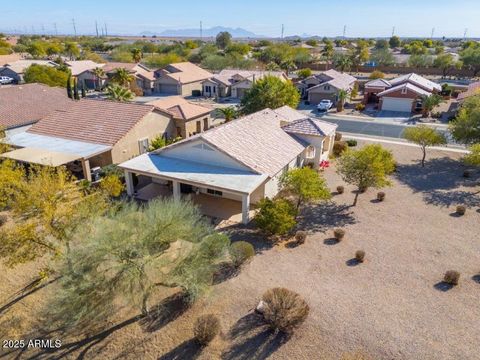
x: 206, y: 328
x: 276, y: 217
x: 380, y: 196
x: 452, y: 277
x: 461, y: 210
x: 352, y: 142
x: 339, y: 147
x: 339, y: 234
x: 360, y: 256
x: 241, y: 251
x: 360, y: 107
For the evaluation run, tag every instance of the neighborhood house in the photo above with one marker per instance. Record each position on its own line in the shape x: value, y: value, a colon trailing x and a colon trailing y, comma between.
x: 231, y: 166
x: 16, y: 69
x: 183, y: 79
x: 325, y: 86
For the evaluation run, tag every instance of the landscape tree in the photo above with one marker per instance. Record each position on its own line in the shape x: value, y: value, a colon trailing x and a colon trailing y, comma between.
x: 420, y: 61
x: 471, y: 59
x: 342, y: 62
x: 328, y: 52
x: 473, y: 157
x: 11, y: 181
x: 272, y: 66
x: 72, y: 50
x: 136, y: 54
x: 99, y: 73
x: 359, y: 54
x: 465, y: 128
x: 122, y: 77
x: 424, y: 136
x: 306, y: 185
x: 381, y: 44
x: 429, y: 103
x: 382, y: 57
x: 376, y: 75
x: 229, y: 113
x: 125, y: 256
x: 394, y: 42
x: 342, y: 97
x: 270, y: 92
x: 354, y: 92
x: 304, y: 73
x: 119, y: 93
x: 37, y: 50
x: 223, y: 39
x: 47, y: 75
x: 287, y: 66
x: 312, y: 42
x: 367, y: 167
x: 69, y: 86
x: 276, y: 217
x: 445, y: 62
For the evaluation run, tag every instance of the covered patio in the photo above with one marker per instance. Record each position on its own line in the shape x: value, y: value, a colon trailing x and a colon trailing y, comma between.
x: 221, y: 192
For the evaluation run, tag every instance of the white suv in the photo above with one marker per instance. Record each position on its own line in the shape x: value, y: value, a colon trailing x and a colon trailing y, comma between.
x: 6, y: 80
x: 324, y: 105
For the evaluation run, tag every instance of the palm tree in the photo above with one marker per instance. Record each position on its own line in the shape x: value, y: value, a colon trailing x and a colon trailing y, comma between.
x: 342, y: 96
x: 229, y: 113
x: 122, y: 77
x: 136, y: 54
x: 288, y: 65
x: 99, y: 74
x: 119, y: 93
x: 342, y: 62
x: 429, y: 103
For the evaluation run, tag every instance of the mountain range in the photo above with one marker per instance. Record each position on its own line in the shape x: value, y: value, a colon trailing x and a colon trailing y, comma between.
x: 210, y: 32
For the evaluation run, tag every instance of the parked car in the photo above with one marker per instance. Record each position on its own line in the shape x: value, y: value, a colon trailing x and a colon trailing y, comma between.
x: 6, y: 80
x: 324, y: 105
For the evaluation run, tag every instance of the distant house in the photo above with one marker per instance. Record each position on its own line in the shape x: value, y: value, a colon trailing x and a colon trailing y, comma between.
x: 325, y: 85
x: 16, y: 69
x: 235, y: 83
x: 402, y: 94
x: 180, y: 79
x: 23, y: 105
x: 90, y: 133
x: 79, y: 66
x: 236, y: 164
x: 144, y: 77
x: 190, y: 119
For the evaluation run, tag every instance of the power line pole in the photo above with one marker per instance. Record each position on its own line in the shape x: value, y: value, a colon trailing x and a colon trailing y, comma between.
x: 96, y: 27
x: 74, y: 27
x: 393, y: 31
x: 55, y: 27
x: 344, y: 30
x: 433, y: 31
x: 106, y: 32
x: 201, y: 30
x: 465, y: 34
x: 283, y: 31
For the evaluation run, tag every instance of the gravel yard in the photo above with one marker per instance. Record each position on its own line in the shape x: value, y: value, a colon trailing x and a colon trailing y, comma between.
x: 393, y: 306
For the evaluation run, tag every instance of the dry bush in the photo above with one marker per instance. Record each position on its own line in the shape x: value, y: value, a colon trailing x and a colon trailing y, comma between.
x: 300, y: 236
x: 461, y: 210
x: 340, y: 189
x: 381, y: 196
x: 241, y: 251
x: 339, y: 147
x: 339, y: 234
x: 452, y: 277
x: 338, y: 136
x: 206, y: 328
x: 360, y: 256
x: 284, y: 309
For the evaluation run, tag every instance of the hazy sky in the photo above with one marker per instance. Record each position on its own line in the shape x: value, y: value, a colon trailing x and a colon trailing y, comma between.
x: 264, y: 17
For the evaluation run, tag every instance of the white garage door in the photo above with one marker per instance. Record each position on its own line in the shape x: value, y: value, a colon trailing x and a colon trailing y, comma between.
x: 396, y: 104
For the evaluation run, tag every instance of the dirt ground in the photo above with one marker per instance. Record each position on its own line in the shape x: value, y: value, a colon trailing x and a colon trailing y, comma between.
x: 393, y: 306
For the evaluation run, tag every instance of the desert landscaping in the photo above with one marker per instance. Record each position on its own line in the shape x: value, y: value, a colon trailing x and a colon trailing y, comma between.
x: 393, y: 305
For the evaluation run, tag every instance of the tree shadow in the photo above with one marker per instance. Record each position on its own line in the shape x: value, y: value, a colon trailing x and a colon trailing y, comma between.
x: 452, y: 198
x: 189, y: 349
x: 476, y: 278
x: 27, y: 290
x: 331, y: 241
x: 250, y: 233
x: 321, y: 217
x: 165, y: 312
x: 225, y: 272
x: 443, y: 286
x: 352, y: 262
x: 253, y: 339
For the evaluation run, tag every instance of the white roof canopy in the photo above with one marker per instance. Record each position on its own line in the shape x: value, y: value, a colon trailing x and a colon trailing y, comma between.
x: 40, y: 156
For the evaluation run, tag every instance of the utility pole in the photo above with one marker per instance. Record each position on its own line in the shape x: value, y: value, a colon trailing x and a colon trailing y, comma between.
x: 393, y: 31
x: 201, y: 30
x: 74, y: 27
x: 283, y: 31
x: 433, y: 31
x: 43, y: 30
x: 465, y: 34
x: 96, y: 27
x: 344, y: 31
x: 55, y: 27
x: 106, y: 32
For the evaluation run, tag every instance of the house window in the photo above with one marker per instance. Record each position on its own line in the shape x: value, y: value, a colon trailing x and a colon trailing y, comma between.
x: 208, y: 89
x: 199, y: 127
x: 214, y: 89
x: 214, y: 192
x: 404, y: 90
x: 310, y: 152
x: 143, y: 145
x: 326, y: 87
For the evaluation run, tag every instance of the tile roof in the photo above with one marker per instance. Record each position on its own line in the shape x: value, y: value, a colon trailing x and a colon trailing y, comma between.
x: 186, y: 72
x: 416, y: 80
x: 79, y: 66
x: 473, y: 89
x: 28, y: 103
x: 180, y: 108
x: 382, y: 83
x: 5, y: 59
x: 94, y: 121
x: 256, y: 141
x: 337, y: 80
x: 112, y: 66
x: 408, y: 86
x: 20, y: 66
x: 289, y: 114
x: 310, y: 126
x: 226, y: 76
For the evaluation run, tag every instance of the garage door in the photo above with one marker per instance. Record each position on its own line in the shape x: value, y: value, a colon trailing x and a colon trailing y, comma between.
x: 395, y: 104
x: 167, y: 89
x: 315, y: 98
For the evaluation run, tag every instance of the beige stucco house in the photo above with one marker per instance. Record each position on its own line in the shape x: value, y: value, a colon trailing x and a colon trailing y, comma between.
x: 16, y: 69
x: 180, y: 79
x: 325, y: 85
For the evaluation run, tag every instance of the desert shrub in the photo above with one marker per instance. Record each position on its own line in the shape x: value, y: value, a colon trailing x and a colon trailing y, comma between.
x: 338, y: 136
x: 206, y: 328
x: 339, y: 147
x: 3, y: 220
x: 461, y: 210
x: 276, y: 217
x: 284, y: 309
x: 340, y: 189
x: 300, y: 236
x: 452, y: 277
x: 380, y: 196
x: 360, y: 256
x: 112, y: 185
x: 360, y: 107
x: 241, y: 251
x: 339, y: 234
x: 352, y: 142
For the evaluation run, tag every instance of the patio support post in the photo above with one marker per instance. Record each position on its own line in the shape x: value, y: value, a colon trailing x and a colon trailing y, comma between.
x: 245, y: 208
x: 176, y: 190
x: 87, y: 174
x: 129, y: 183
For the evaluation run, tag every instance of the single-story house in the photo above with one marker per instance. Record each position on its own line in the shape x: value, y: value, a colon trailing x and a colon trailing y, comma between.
x: 79, y: 66
x: 180, y: 79
x: 25, y: 104
x: 402, y: 94
x: 235, y: 83
x: 229, y: 167
x: 473, y: 89
x: 90, y: 133
x: 190, y: 119
x: 16, y: 69
x: 144, y: 77
x: 325, y: 85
